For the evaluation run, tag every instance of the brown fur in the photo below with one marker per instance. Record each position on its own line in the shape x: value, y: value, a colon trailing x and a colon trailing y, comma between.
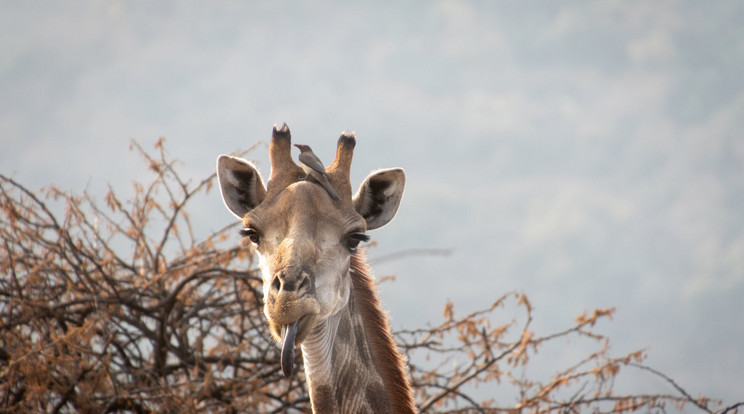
x: 340, y: 168
x: 391, y: 363
x: 284, y: 171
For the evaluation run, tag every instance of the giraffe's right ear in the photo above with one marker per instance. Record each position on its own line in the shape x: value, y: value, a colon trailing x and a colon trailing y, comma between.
x: 240, y: 183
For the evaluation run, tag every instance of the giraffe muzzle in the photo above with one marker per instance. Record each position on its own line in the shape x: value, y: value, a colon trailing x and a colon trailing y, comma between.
x: 289, y: 333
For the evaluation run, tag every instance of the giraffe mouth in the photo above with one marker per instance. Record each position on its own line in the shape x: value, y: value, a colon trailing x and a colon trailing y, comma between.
x: 289, y: 334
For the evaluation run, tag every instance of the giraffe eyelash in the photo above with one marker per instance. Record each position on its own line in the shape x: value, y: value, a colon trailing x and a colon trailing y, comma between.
x: 360, y: 236
x: 352, y: 241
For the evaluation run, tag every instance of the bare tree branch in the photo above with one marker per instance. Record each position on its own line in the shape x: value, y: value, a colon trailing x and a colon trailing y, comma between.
x: 119, y: 308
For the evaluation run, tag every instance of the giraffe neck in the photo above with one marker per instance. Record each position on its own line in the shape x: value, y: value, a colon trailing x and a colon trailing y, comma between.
x: 351, y: 362
x: 340, y: 369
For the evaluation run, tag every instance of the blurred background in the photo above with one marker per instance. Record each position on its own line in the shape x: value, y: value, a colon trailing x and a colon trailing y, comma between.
x: 588, y: 154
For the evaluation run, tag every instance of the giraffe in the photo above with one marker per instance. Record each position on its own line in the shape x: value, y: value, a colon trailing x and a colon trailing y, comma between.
x: 318, y: 290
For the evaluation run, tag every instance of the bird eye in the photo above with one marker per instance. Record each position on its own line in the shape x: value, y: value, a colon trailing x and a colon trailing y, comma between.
x: 353, y: 240
x: 251, y: 234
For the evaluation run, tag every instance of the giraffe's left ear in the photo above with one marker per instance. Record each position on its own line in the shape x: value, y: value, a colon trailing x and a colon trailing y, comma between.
x: 379, y: 196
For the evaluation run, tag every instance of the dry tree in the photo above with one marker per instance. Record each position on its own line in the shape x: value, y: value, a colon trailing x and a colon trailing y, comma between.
x: 115, y: 306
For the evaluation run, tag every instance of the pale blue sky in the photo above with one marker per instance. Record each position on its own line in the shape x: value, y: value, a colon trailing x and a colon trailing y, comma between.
x: 590, y: 154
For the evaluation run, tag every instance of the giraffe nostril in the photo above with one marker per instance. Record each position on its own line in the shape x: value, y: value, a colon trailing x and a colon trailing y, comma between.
x: 276, y: 284
x: 305, y: 283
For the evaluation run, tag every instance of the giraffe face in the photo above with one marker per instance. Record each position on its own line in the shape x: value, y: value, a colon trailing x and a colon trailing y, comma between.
x: 304, y: 249
x: 304, y: 237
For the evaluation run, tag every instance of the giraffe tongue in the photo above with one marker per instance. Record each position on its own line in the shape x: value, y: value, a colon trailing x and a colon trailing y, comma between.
x: 289, y: 332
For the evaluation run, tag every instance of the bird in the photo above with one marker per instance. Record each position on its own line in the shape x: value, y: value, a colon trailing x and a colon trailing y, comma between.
x: 314, y: 169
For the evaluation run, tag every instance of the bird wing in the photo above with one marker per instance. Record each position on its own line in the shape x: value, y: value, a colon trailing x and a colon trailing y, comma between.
x: 312, y: 161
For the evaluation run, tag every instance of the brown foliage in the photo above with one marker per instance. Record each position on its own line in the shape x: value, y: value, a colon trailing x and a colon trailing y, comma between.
x: 119, y: 308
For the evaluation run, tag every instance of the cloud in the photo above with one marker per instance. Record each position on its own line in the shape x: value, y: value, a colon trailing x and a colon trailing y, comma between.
x: 590, y: 151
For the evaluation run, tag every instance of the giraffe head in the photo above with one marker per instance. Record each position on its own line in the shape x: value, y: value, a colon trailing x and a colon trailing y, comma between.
x: 303, y: 237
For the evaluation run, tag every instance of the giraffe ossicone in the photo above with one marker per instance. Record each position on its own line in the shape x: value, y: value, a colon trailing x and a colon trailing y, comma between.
x: 318, y: 290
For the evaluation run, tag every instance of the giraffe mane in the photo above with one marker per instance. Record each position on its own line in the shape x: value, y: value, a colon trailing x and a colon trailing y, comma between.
x: 390, y: 362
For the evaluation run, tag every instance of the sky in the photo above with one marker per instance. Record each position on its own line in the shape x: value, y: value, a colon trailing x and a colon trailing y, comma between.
x: 588, y: 154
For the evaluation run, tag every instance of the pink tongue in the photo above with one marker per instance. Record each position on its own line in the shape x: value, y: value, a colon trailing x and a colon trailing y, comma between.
x: 289, y: 332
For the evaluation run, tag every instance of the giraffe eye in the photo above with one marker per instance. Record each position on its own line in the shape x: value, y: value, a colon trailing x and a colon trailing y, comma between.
x: 251, y: 234
x: 353, y: 240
